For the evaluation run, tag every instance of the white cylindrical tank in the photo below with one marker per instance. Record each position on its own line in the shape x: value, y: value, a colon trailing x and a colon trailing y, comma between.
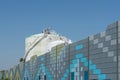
x: 42, y: 43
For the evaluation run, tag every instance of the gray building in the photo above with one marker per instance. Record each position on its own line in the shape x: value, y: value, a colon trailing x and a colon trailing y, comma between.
x: 96, y: 57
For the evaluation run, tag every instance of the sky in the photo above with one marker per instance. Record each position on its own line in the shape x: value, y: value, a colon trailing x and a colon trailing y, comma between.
x: 75, y: 19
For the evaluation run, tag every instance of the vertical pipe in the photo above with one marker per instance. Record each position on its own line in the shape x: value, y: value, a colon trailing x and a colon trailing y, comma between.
x: 69, y: 59
x: 88, y: 60
x: 117, y: 51
x: 56, y: 63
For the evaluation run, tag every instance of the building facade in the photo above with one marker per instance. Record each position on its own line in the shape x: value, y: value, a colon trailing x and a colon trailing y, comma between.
x: 96, y: 57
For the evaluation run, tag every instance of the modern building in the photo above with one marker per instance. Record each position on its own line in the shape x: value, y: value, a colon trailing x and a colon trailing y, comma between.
x: 96, y: 57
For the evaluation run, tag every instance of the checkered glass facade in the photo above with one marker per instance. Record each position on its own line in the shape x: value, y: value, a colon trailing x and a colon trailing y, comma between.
x: 96, y: 57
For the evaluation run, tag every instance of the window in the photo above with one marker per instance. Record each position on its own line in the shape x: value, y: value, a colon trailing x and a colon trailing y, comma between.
x: 44, y: 77
x: 39, y: 77
x: 72, y: 75
x: 85, y: 75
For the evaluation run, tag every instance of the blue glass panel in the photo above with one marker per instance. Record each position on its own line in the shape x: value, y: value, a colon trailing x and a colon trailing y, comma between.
x: 97, y: 71
x: 72, y: 75
x: 79, y: 55
x: 85, y: 75
x: 83, y: 60
x: 79, y: 47
x: 102, y: 76
x: 92, y: 67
